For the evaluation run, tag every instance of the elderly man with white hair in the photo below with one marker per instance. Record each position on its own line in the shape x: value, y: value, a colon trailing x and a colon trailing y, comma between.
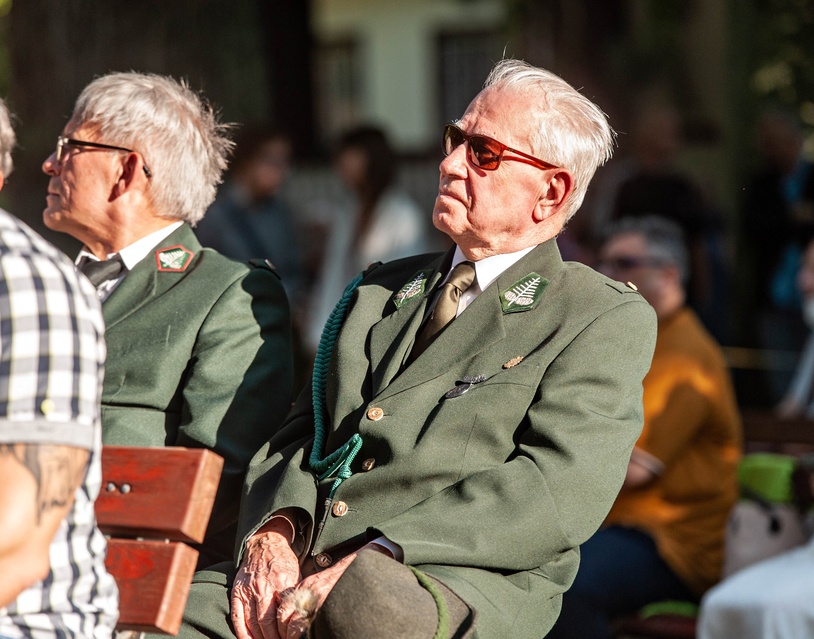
x: 199, y: 348
x: 471, y: 414
x: 52, y: 554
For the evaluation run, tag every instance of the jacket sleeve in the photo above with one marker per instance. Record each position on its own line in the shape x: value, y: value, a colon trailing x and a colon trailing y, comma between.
x: 568, y: 466
x: 238, y: 386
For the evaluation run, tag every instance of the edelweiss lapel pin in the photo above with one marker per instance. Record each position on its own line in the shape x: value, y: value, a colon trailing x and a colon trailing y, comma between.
x: 524, y: 294
x: 514, y: 361
x: 415, y: 286
x: 173, y: 259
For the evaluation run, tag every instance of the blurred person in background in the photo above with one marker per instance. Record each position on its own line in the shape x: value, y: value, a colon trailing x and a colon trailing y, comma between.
x: 799, y: 398
x: 664, y: 536
x: 650, y: 182
x: 777, y: 214
x: 52, y: 554
x: 249, y: 217
x: 380, y: 223
x: 199, y: 347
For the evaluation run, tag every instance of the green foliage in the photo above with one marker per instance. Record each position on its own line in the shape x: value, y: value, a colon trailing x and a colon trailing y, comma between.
x: 784, y: 73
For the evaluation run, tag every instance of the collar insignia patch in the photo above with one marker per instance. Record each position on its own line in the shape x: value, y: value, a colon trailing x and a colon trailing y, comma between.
x: 173, y: 259
x: 414, y: 287
x: 524, y: 294
x: 514, y: 361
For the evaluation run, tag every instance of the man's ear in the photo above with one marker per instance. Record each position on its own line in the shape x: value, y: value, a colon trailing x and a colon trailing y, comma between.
x: 132, y: 174
x: 556, y: 190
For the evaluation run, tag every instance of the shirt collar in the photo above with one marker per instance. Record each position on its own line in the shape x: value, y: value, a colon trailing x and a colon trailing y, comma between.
x: 138, y: 250
x: 489, y: 268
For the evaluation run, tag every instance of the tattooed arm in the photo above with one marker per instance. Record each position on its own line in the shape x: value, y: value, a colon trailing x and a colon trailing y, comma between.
x: 37, y: 487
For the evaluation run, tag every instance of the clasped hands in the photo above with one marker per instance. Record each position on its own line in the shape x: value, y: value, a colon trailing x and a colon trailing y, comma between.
x: 262, y: 607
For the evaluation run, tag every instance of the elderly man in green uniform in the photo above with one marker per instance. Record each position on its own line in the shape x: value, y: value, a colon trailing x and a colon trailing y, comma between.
x: 198, y: 345
x: 471, y: 415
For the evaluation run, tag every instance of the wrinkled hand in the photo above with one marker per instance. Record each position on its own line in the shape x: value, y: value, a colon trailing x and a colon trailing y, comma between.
x: 290, y: 622
x: 269, y: 567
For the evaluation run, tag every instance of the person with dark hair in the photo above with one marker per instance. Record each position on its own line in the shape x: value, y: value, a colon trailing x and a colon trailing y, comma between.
x: 664, y: 536
x: 380, y: 222
x: 249, y: 218
x: 777, y: 216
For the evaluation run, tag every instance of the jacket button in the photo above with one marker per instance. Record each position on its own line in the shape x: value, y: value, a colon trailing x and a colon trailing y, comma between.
x: 368, y: 464
x: 323, y: 560
x: 375, y: 414
x: 340, y: 509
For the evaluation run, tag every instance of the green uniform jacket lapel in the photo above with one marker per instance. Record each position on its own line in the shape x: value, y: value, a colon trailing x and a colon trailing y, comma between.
x: 392, y: 338
x: 480, y: 326
x: 145, y: 282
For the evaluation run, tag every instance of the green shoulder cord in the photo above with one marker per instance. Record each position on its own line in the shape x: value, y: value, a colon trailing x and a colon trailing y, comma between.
x: 340, y: 460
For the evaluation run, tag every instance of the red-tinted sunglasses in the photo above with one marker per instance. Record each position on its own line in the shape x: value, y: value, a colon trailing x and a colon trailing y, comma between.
x: 484, y: 152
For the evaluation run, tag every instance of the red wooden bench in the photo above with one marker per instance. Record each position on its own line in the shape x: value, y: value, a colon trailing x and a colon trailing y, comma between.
x: 153, y: 503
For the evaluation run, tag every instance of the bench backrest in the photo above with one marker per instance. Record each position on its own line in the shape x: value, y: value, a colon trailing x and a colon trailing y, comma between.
x: 153, y: 502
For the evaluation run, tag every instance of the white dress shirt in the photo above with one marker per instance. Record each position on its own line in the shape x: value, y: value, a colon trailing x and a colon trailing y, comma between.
x: 130, y: 255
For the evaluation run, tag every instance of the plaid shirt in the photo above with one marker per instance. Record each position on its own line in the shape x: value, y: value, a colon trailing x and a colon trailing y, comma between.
x: 51, y: 368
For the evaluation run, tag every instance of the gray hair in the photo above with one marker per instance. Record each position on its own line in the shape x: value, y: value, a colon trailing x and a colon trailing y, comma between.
x: 176, y: 131
x: 664, y: 239
x: 573, y: 132
x: 7, y: 140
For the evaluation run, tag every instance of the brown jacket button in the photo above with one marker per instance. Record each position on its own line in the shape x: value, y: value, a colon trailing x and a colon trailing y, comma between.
x: 323, y: 560
x: 375, y: 414
x: 339, y: 509
x: 368, y: 464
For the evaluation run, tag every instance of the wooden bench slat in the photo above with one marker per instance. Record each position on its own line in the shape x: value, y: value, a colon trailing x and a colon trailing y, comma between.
x: 154, y: 578
x: 766, y: 426
x: 167, y: 493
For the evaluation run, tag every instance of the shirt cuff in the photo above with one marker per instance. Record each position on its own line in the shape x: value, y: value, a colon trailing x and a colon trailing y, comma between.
x: 394, y: 548
x: 648, y: 461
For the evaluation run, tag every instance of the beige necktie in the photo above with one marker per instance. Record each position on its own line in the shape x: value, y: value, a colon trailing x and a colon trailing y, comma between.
x: 446, y: 308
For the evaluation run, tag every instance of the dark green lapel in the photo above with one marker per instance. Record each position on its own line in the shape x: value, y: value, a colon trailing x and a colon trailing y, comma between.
x: 392, y: 338
x: 146, y: 282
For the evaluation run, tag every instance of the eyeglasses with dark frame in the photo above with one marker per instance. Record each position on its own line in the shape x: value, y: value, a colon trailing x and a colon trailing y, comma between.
x: 484, y: 152
x: 63, y: 141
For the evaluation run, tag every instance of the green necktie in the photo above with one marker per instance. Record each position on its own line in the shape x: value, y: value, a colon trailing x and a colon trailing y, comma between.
x: 446, y: 308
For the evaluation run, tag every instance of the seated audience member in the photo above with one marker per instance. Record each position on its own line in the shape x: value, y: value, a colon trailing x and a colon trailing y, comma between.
x: 483, y: 444
x: 379, y: 222
x: 199, y: 351
x: 249, y: 218
x: 773, y: 599
x: 52, y: 555
x: 799, y: 398
x: 663, y: 538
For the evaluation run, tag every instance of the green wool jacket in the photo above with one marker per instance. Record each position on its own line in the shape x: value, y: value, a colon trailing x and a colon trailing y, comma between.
x: 198, y: 355
x: 491, y: 490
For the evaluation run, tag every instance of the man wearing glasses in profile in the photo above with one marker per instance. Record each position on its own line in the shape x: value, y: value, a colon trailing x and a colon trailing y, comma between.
x: 471, y: 415
x: 198, y: 345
